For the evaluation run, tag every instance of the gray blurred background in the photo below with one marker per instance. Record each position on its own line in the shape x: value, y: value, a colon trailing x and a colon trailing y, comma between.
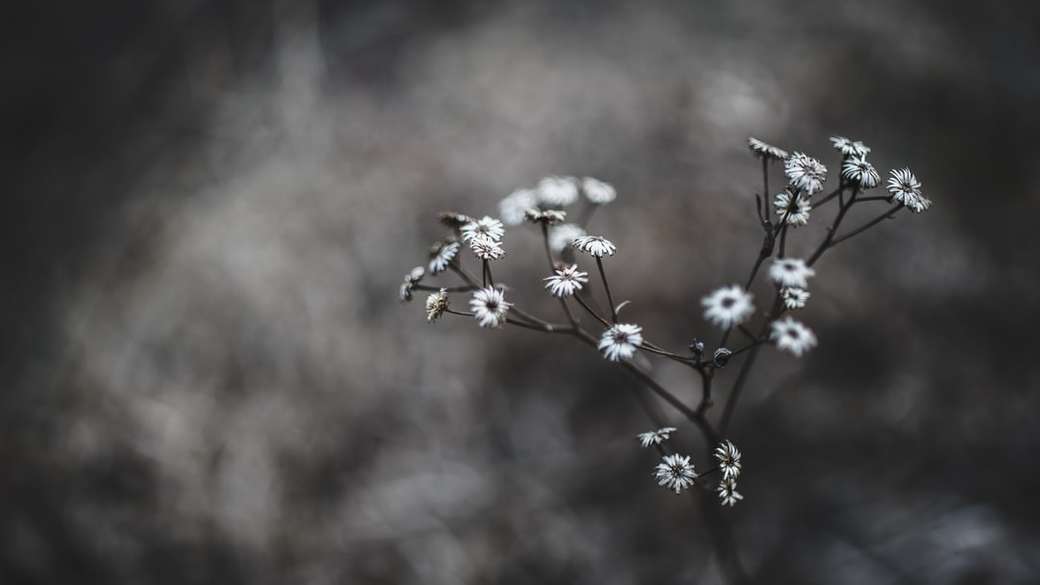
x: 208, y: 377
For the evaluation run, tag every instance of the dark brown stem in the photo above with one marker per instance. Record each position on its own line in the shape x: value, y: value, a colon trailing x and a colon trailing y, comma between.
x: 606, y: 287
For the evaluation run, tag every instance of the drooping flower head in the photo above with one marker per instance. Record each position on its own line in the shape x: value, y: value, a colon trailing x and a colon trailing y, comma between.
x: 454, y: 219
x: 795, y: 209
x: 546, y: 216
x: 512, y: 208
x: 436, y: 305
x: 729, y: 459
x: 488, y: 227
x: 566, y: 281
x: 675, y: 472
x: 764, y: 150
x: 728, y: 306
x: 489, y: 307
x: 906, y: 189
x: 563, y: 235
x: 441, y: 256
x: 792, y: 272
x: 850, y: 148
x: 728, y: 493
x: 486, y: 248
x: 805, y: 172
x: 596, y: 246
x: 412, y: 278
x: 620, y: 341
x: 794, y: 297
x: 655, y: 437
x: 859, y: 172
x: 557, y: 191
x: 597, y: 191
x: 792, y: 336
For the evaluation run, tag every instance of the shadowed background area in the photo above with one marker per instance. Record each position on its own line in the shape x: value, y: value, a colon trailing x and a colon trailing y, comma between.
x: 208, y: 376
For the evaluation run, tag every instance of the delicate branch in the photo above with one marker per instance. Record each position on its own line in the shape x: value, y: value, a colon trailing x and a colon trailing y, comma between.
x: 868, y: 225
x: 610, y: 298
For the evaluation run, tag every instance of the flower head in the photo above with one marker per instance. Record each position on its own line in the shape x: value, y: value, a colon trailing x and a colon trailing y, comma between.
x: 729, y: 459
x: 441, y: 256
x: 620, y: 341
x: 728, y: 306
x: 805, y: 172
x: 791, y: 272
x: 655, y: 437
x: 595, y: 246
x: 794, y: 297
x: 767, y: 151
x: 436, y: 305
x: 675, y: 472
x: 489, y: 307
x: 411, y: 279
x: 558, y: 191
x: 860, y: 172
x: 795, y: 208
x: 850, y: 148
x: 728, y: 493
x: 454, y: 219
x: 486, y: 248
x: 906, y: 189
x: 488, y: 227
x: 512, y: 208
x: 566, y: 281
x: 792, y: 336
x: 546, y: 216
x: 597, y: 191
x: 563, y: 235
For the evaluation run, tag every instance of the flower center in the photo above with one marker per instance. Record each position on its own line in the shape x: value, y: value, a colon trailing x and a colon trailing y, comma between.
x: 728, y: 302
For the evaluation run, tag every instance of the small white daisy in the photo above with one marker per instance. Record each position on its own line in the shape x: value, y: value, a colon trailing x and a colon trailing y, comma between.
x: 850, y: 148
x: 791, y: 272
x: 489, y: 307
x: 620, y: 341
x: 558, y: 191
x: 728, y: 306
x: 436, y: 305
x: 764, y: 150
x: 792, y: 336
x: 729, y: 459
x: 858, y: 171
x: 597, y: 191
x: 485, y: 248
x: 905, y: 188
x: 796, y: 216
x: 805, y: 172
x: 595, y: 246
x: 655, y: 437
x: 728, y: 493
x: 675, y: 472
x: 410, y: 280
x: 454, y: 219
x: 441, y: 256
x: 547, y: 216
x: 561, y: 236
x: 488, y: 227
x: 512, y: 208
x: 566, y: 281
x: 794, y: 297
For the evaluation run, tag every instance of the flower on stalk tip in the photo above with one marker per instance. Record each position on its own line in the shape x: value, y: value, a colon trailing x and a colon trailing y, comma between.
x: 794, y: 297
x: 563, y: 235
x: 597, y: 191
x: 805, y: 172
x: 655, y: 437
x: 859, y: 172
x: 675, y: 472
x: 796, y: 209
x: 620, y: 341
x: 513, y: 207
x: 906, y: 189
x: 558, y: 191
x: 410, y: 280
x: 436, y: 305
x: 728, y: 306
x: 764, y: 150
x: 595, y: 246
x: 791, y: 272
x: 729, y: 459
x: 485, y: 248
x: 850, y: 148
x: 454, y: 219
x: 441, y: 256
x: 489, y: 307
x: 566, y: 281
x: 488, y: 227
x: 547, y: 216
x: 728, y: 493
x: 792, y: 336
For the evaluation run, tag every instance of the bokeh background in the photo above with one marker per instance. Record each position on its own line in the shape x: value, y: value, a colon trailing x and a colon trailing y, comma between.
x: 209, y: 206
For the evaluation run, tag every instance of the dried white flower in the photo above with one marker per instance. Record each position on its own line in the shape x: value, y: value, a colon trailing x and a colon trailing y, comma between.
x: 595, y: 246
x: 566, y: 281
x: 485, y: 248
x: 546, y: 216
x: 728, y: 306
x: 805, y: 172
x: 436, y: 305
x: 512, y: 208
x: 489, y: 307
x: 859, y: 172
x: 488, y: 227
x: 729, y: 459
x: 794, y: 297
x: 655, y: 437
x: 411, y: 279
x: 442, y: 255
x: 764, y: 150
x: 906, y: 189
x: 792, y: 336
x: 798, y: 214
x: 597, y: 191
x: 850, y: 148
x: 728, y: 493
x: 620, y: 341
x: 675, y: 472
x: 791, y: 272
x: 454, y: 219
x: 561, y: 236
x: 558, y: 191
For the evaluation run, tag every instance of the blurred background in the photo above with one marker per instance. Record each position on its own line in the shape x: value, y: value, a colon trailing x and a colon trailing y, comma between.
x: 208, y: 376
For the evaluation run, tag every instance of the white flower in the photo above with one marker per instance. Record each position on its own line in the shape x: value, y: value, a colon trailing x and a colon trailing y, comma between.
x: 561, y: 236
x: 729, y: 459
x: 489, y: 307
x: 558, y: 191
x: 860, y: 172
x: 655, y: 437
x: 675, y: 472
x: 728, y: 494
x: 792, y: 336
x: 906, y: 189
x: 805, y: 172
x: 763, y: 150
x: 485, y: 248
x: 410, y: 280
x: 547, y: 216
x: 512, y: 208
x: 791, y: 272
x: 488, y: 227
x: 443, y: 254
x: 794, y: 297
x: 620, y: 341
x: 850, y: 148
x: 796, y: 216
x: 728, y: 306
x: 597, y: 191
x: 595, y: 246
x: 566, y: 281
x: 436, y: 305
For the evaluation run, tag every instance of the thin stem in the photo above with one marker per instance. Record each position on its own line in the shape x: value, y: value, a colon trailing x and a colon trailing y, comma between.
x: 874, y: 198
x: 827, y: 241
x: 888, y: 214
x: 610, y: 298
x: 552, y: 267
x: 464, y: 288
x: 831, y: 195
x: 590, y: 311
x: 765, y: 187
